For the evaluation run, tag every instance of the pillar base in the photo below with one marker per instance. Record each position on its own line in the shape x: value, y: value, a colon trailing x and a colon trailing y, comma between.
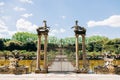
x: 37, y: 71
x: 84, y: 71
x: 81, y: 71
x: 44, y: 71
x: 77, y: 70
x: 41, y: 71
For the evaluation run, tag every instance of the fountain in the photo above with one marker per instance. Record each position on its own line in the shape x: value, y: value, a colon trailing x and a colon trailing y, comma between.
x: 14, y: 67
x: 108, y: 67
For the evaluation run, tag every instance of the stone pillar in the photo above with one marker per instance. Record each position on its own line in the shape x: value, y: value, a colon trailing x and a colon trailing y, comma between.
x: 38, y: 54
x: 45, y: 53
x: 84, y: 51
x: 77, y: 56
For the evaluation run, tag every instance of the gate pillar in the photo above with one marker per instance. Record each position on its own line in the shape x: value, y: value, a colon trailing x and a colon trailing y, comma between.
x: 42, y: 31
x: 80, y: 31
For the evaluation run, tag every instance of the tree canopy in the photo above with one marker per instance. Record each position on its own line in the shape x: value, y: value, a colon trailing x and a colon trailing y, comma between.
x: 28, y: 41
x: 24, y: 36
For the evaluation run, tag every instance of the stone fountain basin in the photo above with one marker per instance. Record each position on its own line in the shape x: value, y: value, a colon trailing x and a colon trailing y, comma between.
x: 14, y: 70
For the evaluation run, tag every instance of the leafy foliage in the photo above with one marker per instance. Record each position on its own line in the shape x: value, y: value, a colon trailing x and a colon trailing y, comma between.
x: 13, y: 45
x: 29, y: 46
x: 28, y: 42
x: 2, y: 44
x: 24, y: 36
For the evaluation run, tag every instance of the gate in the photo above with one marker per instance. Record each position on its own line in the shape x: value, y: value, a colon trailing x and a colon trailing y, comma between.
x: 61, y: 63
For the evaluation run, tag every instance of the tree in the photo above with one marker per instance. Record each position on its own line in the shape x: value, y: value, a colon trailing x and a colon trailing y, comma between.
x: 96, y: 38
x: 70, y: 40
x: 90, y: 46
x: 53, y: 40
x: 98, y: 46
x: 13, y: 45
x: 24, y: 36
x: 113, y: 45
x: 110, y: 42
x: 52, y: 47
x: 94, y: 46
x: 30, y: 46
x: 116, y: 41
x: 2, y: 44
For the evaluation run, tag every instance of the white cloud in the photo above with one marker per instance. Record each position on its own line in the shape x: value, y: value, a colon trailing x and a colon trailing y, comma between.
x: 19, y: 9
x: 2, y: 9
x: 62, y: 30
x: 27, y: 15
x: 53, y: 32
x: 7, y: 34
x: 56, y: 32
x: 112, y: 21
x: 2, y: 3
x: 3, y: 35
x: 63, y: 17
x: 4, y: 32
x: 26, y: 1
x: 96, y: 34
x: 3, y: 27
x: 11, y: 33
x: 6, y: 18
x: 24, y: 25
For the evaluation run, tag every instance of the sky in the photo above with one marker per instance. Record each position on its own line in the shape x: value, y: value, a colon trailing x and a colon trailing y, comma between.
x: 99, y: 17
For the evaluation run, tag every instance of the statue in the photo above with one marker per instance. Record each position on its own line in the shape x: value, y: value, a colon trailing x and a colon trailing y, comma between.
x: 78, y: 29
x: 44, y: 28
x: 108, y: 66
x: 14, y: 66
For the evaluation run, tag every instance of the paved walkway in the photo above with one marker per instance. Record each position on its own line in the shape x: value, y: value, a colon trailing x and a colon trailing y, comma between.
x: 53, y: 76
x: 61, y: 64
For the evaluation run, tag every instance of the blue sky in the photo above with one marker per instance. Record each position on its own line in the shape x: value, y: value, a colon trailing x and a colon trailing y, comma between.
x: 99, y: 17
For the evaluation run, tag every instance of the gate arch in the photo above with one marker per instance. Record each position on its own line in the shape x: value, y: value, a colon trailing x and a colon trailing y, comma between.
x: 44, y: 31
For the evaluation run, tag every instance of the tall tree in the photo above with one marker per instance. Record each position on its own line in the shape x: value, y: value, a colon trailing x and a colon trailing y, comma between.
x: 24, y: 36
x: 13, y: 45
x: 30, y: 46
x: 2, y: 44
x: 96, y: 38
